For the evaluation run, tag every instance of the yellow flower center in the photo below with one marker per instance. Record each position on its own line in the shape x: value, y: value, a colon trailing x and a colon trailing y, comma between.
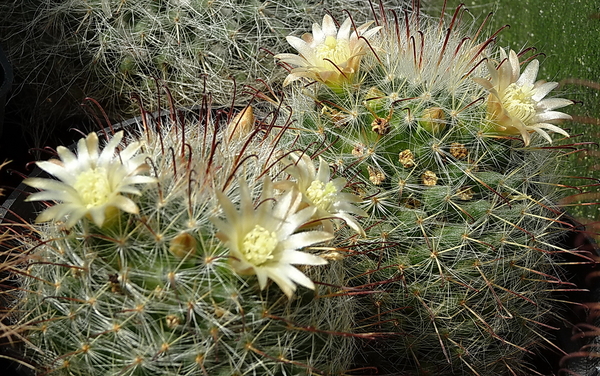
x: 93, y: 187
x: 338, y: 51
x: 517, y: 100
x: 321, y: 194
x: 258, y: 245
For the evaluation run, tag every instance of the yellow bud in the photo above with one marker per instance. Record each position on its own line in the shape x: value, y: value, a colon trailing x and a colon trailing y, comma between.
x: 241, y: 124
x: 183, y: 245
x: 432, y: 119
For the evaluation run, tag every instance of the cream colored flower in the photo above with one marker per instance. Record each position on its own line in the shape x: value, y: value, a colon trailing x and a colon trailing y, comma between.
x: 91, y: 183
x: 320, y: 191
x: 516, y: 103
x: 328, y: 55
x: 264, y: 240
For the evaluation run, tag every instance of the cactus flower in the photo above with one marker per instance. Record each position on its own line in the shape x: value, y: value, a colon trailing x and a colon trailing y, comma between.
x: 328, y: 55
x: 91, y: 184
x: 516, y: 103
x: 325, y: 194
x: 263, y: 240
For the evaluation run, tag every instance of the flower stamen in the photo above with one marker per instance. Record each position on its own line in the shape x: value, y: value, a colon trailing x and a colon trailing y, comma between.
x: 258, y: 245
x: 93, y: 187
x: 321, y: 194
x: 518, y: 101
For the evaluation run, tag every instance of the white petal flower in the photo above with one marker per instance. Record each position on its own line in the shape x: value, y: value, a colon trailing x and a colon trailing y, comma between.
x: 91, y: 183
x: 328, y: 55
x: 264, y: 240
x: 516, y: 103
x: 320, y: 191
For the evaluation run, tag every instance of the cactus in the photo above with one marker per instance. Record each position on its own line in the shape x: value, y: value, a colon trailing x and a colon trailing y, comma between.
x: 170, y: 251
x: 447, y: 137
x: 223, y: 244
x: 64, y: 51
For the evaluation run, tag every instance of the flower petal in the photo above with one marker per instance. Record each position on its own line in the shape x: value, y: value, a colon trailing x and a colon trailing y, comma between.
x: 299, y: 277
x: 329, y: 28
x: 66, y: 155
x: 49, y: 185
x: 57, y: 170
x: 344, y: 31
x: 304, y: 239
x: 61, y: 196
x: 278, y: 275
x: 553, y: 128
x: 542, y: 90
x: 301, y: 258
x: 323, y: 174
x: 302, y: 47
x: 352, y: 223
x: 58, y: 211
x: 554, y: 103
x: 529, y: 74
x: 109, y: 149
x: 125, y: 204
x: 550, y: 116
x: 98, y: 215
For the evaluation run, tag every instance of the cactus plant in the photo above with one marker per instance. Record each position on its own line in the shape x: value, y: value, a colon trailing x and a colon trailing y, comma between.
x: 451, y: 141
x: 169, y: 251
x: 64, y: 51
x: 226, y: 245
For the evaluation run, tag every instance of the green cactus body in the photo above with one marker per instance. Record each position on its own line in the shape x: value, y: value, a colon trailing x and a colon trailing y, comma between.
x: 154, y: 292
x: 460, y: 255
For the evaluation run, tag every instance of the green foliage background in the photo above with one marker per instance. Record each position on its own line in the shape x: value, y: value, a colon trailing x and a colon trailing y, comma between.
x: 568, y: 34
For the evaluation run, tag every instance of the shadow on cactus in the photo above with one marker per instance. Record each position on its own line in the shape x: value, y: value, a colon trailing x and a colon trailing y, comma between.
x: 182, y: 246
x: 454, y: 142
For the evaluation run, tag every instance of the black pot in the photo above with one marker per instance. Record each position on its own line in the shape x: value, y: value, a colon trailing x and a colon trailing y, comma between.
x: 6, y: 79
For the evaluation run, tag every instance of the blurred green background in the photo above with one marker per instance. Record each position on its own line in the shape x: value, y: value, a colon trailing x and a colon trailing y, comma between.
x: 568, y: 34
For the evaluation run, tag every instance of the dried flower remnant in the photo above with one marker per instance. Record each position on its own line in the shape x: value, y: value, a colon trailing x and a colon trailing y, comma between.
x: 458, y: 150
x: 429, y: 178
x: 465, y: 194
x: 376, y: 175
x: 407, y: 158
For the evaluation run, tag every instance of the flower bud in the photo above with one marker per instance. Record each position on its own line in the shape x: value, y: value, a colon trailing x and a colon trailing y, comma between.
x: 433, y: 120
x: 241, y: 124
x: 183, y: 245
